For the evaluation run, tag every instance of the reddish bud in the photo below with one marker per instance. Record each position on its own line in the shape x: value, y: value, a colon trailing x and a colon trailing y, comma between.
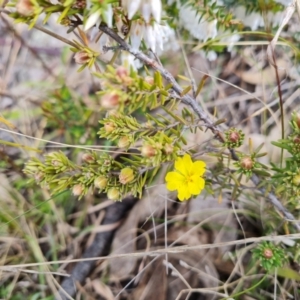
x: 247, y: 163
x: 148, y: 151
x: 88, y: 158
x: 268, y: 253
x: 25, y: 8
x: 82, y: 57
x: 122, y: 72
x: 77, y: 189
x: 296, y: 140
x: 110, y: 100
x: 234, y: 137
x: 149, y: 80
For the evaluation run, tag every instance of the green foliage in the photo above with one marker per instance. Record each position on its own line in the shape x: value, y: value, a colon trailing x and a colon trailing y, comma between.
x: 287, y: 177
x: 255, y: 5
x: 68, y: 115
x: 269, y: 255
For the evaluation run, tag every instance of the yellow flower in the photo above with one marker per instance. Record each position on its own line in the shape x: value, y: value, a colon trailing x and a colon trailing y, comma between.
x: 186, y: 178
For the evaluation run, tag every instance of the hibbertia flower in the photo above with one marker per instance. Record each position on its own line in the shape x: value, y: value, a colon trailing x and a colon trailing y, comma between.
x: 187, y: 177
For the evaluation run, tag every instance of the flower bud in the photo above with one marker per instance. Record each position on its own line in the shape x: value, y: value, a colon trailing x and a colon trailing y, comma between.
x: 39, y: 176
x: 126, y: 175
x: 296, y: 179
x: 149, y: 80
x: 268, y: 253
x: 169, y: 149
x: 113, y: 194
x: 124, y: 142
x: 25, y: 8
x: 100, y: 182
x: 77, y: 189
x: 148, y: 151
x: 122, y: 72
x: 56, y: 163
x: 247, y: 163
x: 296, y: 140
x: 109, y: 127
x: 82, y: 57
x: 234, y: 137
x: 88, y: 158
x: 110, y: 100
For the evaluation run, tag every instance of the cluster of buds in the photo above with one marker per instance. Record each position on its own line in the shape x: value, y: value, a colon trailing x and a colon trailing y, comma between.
x: 101, y: 172
x: 116, y: 187
x: 234, y: 138
x: 58, y: 162
x: 158, y: 149
x: 120, y: 128
x: 126, y: 91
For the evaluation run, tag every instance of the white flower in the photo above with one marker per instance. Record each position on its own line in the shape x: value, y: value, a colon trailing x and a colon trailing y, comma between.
x: 147, y: 8
x: 150, y: 38
x: 108, y: 15
x: 95, y: 18
x: 92, y: 20
x: 136, y: 34
x: 153, y: 35
x: 202, y: 30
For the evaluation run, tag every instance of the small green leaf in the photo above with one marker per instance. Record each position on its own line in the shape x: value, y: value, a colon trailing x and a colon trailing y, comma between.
x: 288, y: 273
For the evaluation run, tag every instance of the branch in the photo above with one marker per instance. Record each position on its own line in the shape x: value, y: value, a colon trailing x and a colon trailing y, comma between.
x: 190, y: 101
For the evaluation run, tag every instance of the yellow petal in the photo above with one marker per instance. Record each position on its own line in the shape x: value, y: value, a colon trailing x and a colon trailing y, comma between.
x: 183, y: 193
x: 174, y: 180
x: 196, y: 186
x: 198, y: 168
x: 184, y: 164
